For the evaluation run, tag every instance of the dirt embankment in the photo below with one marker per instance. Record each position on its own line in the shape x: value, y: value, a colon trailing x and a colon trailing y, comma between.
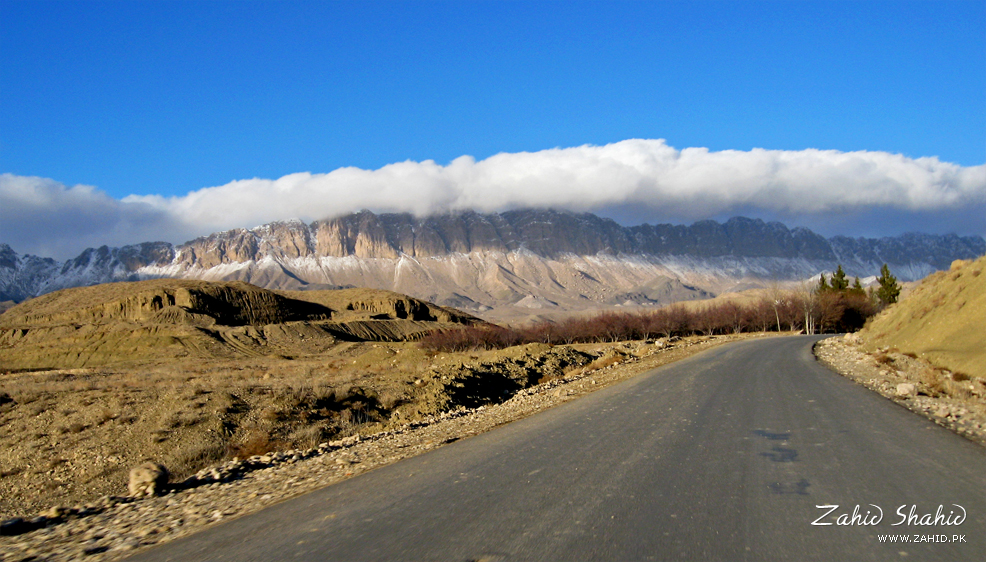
x: 943, y: 320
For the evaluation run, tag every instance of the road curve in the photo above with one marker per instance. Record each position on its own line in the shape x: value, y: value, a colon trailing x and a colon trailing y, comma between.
x: 723, y: 456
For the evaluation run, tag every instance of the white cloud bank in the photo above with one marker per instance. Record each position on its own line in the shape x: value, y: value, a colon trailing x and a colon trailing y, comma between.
x: 44, y: 217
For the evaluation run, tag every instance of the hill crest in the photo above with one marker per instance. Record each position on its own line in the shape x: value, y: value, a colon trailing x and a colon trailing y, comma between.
x: 162, y: 319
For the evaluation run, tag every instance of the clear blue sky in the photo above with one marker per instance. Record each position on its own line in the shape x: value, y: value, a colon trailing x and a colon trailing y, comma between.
x: 168, y: 97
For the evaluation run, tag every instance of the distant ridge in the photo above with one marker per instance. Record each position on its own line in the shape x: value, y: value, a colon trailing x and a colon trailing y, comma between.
x: 479, y: 261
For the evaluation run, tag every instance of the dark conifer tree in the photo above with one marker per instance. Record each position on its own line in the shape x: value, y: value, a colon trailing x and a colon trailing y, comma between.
x: 889, y: 288
x: 823, y: 284
x: 839, y: 281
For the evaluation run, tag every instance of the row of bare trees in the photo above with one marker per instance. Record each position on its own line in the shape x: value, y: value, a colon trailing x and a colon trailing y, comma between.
x: 807, y: 310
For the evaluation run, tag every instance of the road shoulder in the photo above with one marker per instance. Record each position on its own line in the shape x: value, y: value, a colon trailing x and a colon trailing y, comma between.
x: 955, y: 402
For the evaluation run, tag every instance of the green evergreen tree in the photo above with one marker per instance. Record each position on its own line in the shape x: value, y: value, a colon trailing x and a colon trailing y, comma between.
x: 839, y: 281
x: 823, y: 285
x: 889, y: 288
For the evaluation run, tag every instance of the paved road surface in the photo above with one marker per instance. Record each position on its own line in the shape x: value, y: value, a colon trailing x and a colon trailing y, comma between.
x: 723, y: 456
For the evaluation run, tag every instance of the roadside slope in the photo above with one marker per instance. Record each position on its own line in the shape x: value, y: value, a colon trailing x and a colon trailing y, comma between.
x: 942, y: 320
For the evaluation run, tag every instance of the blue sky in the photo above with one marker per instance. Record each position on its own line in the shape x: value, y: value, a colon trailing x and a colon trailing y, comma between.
x: 166, y: 98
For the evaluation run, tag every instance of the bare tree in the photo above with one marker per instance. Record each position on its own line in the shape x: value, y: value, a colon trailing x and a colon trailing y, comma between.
x: 777, y: 298
x: 807, y: 297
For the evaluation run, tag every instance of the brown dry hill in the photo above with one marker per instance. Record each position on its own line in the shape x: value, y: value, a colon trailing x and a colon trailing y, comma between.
x: 942, y: 320
x: 146, y: 321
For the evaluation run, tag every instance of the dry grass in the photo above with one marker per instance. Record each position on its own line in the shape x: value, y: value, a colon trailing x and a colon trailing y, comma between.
x: 884, y: 359
x: 933, y: 381
x: 191, y: 414
x: 194, y: 412
x: 255, y: 442
x: 941, y: 320
x: 607, y: 360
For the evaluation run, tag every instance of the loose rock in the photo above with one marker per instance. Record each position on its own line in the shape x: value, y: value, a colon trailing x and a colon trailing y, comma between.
x: 148, y: 479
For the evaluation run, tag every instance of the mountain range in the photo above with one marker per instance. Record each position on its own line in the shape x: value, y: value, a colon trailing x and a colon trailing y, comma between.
x: 528, y: 259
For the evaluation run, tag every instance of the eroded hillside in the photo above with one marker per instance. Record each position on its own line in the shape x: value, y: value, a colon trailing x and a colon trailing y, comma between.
x: 147, y: 321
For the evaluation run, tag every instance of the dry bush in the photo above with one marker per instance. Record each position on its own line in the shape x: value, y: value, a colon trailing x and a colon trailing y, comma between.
x: 956, y: 390
x: 308, y: 437
x: 574, y: 370
x: 11, y: 472
x: 350, y: 419
x: 272, y: 415
x: 27, y: 396
x: 391, y: 398
x: 884, y: 359
x: 605, y: 361
x: 323, y: 393
x: 74, y: 427
x: 933, y: 380
x: 85, y: 384
x: 256, y: 442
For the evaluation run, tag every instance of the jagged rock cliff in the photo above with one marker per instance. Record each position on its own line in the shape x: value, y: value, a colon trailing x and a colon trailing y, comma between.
x: 547, y: 234
x: 532, y: 259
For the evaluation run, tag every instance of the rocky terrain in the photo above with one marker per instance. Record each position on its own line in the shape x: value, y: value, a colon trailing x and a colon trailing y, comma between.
x: 114, y: 525
x: 516, y: 264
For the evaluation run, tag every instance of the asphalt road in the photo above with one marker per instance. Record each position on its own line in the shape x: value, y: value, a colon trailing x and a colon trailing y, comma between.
x: 723, y: 456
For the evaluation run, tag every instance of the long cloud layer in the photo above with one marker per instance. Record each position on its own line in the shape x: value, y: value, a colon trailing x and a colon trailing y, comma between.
x: 656, y: 181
